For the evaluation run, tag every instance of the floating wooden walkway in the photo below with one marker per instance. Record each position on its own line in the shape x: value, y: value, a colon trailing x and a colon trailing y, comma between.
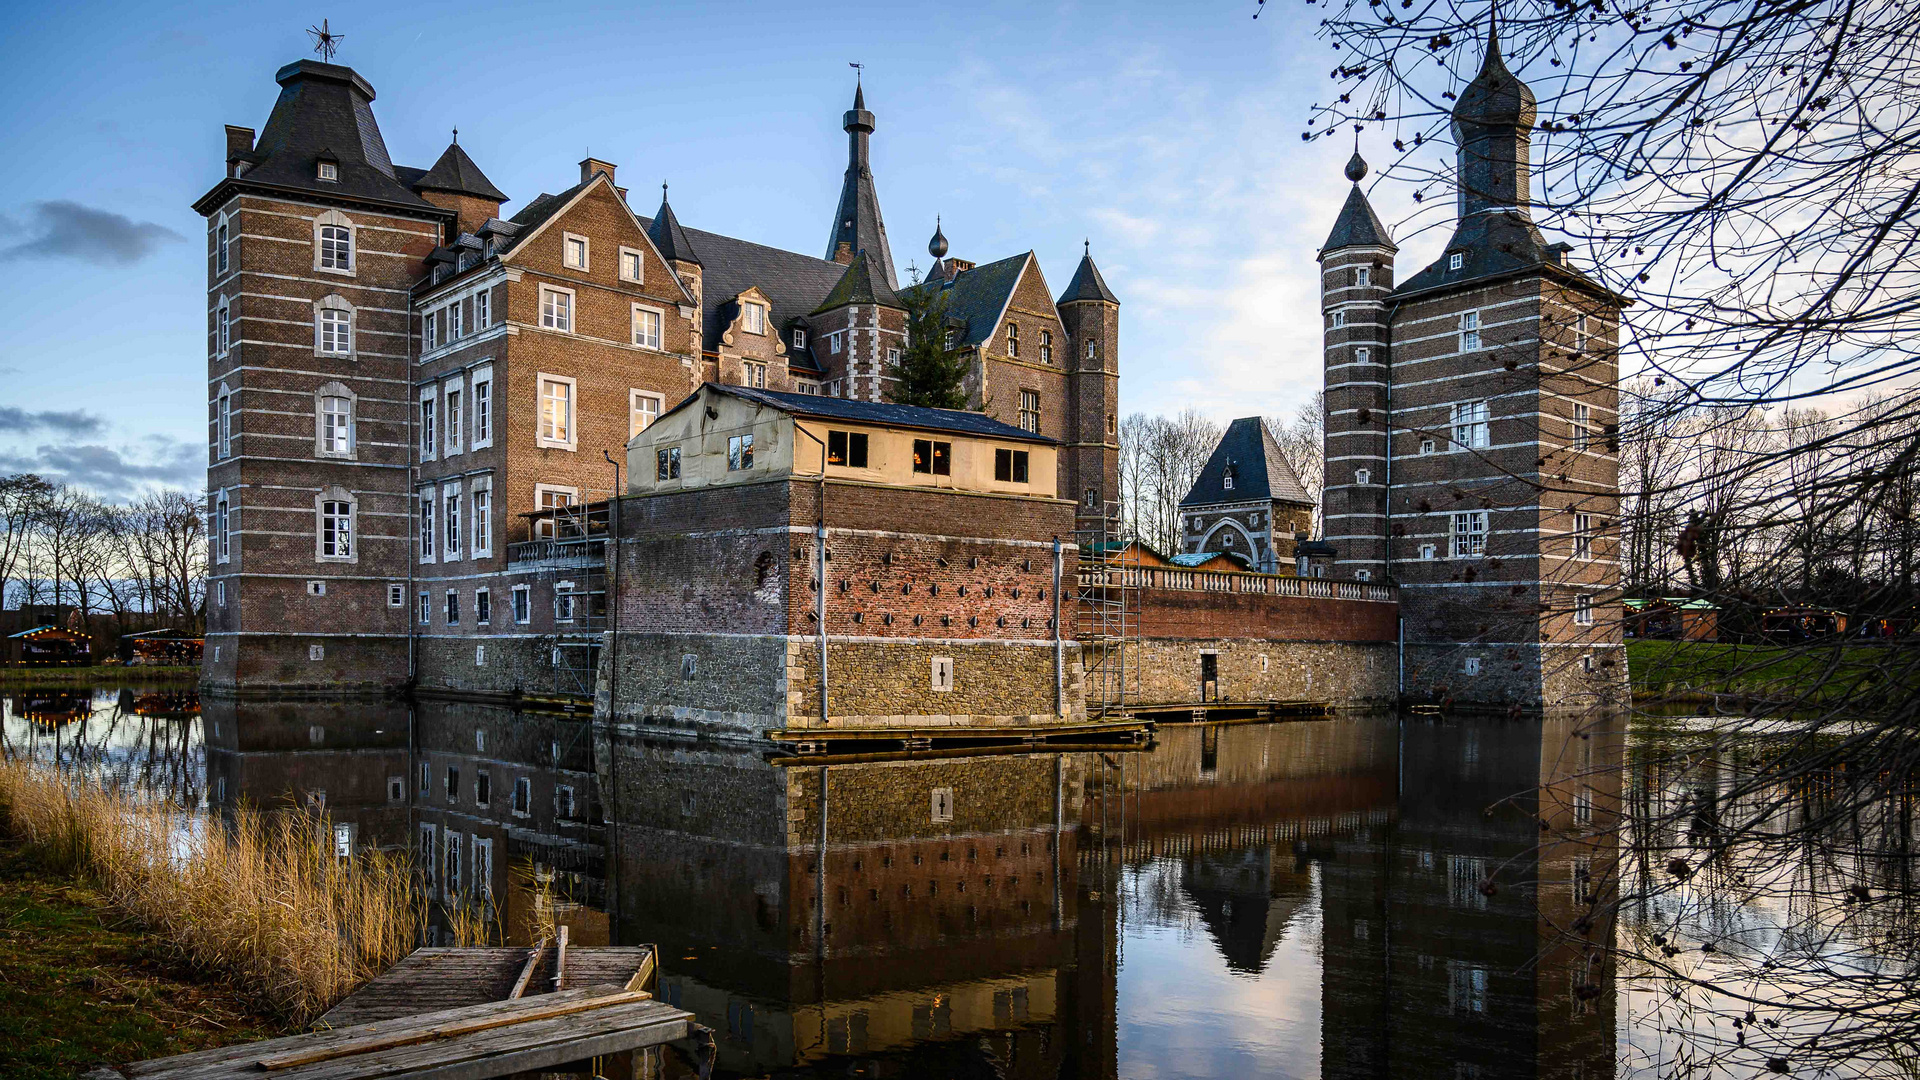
x: 1232, y: 712
x: 959, y: 737
x: 491, y: 1013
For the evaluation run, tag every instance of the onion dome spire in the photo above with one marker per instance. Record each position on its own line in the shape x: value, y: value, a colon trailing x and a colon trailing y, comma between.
x: 937, y: 247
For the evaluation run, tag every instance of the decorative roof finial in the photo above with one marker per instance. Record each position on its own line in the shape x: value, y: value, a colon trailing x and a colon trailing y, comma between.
x: 859, y: 94
x: 456, y: 136
x: 1356, y: 166
x: 1086, y: 248
x: 325, y: 41
x: 937, y: 247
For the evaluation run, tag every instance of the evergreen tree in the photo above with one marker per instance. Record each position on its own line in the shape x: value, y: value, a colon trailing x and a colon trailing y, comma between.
x: 929, y: 372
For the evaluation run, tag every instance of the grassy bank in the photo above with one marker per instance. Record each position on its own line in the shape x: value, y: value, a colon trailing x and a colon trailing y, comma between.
x: 1695, y: 670
x: 80, y: 985
x: 262, y: 904
x: 104, y: 675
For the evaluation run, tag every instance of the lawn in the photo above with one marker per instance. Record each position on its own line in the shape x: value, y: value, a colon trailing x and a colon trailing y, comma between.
x: 1814, y: 671
x: 102, y: 675
x: 79, y: 987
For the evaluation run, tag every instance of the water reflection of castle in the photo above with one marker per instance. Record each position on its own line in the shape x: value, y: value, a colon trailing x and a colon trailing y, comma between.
x: 968, y: 916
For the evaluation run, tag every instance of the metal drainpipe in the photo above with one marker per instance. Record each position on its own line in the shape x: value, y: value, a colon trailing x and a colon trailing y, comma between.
x: 1386, y: 519
x: 820, y: 564
x: 1059, y: 643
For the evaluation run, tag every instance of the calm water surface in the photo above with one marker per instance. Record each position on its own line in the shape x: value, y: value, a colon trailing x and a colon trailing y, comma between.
x: 1283, y: 900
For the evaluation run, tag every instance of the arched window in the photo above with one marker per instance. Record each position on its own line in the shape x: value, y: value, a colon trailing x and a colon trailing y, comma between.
x: 334, y: 427
x: 221, y: 239
x: 1013, y: 339
x: 334, y: 540
x: 333, y: 242
x: 1046, y: 346
x: 222, y: 527
x: 222, y: 328
x: 333, y: 327
x: 223, y: 424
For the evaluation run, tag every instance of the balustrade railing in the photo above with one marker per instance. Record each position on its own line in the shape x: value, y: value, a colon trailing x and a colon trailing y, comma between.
x: 1215, y: 581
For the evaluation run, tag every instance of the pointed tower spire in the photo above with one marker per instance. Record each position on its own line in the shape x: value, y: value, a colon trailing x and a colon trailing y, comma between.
x: 668, y: 236
x: 857, y: 225
x: 1087, y: 284
x: 1357, y: 224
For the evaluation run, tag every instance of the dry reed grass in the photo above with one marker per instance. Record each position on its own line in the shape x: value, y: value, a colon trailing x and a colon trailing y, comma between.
x: 260, y: 902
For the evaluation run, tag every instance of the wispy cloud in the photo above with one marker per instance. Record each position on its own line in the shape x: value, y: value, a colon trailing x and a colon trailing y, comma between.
x: 70, y: 424
x: 60, y: 229
x: 115, y: 473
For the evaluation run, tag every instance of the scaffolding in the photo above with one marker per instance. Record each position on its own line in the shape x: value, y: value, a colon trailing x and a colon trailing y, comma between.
x: 1107, y: 612
x: 568, y: 550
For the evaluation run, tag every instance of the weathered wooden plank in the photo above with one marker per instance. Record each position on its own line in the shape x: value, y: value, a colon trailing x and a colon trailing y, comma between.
x: 510, y: 1050
x: 560, y: 959
x: 447, y: 1030
x: 526, y: 972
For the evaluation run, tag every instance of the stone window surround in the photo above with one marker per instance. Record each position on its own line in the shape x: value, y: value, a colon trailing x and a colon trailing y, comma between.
x: 482, y: 434
x: 480, y: 528
x: 661, y: 327
x: 320, y: 499
x: 638, y: 261
x: 571, y: 442
x: 454, y: 399
x: 320, y: 396
x: 337, y: 219
x: 634, y: 397
x: 429, y: 434
x: 336, y: 302
x: 572, y: 310
x: 567, y: 242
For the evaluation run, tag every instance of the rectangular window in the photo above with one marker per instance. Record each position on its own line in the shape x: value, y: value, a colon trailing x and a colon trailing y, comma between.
x: 453, y: 320
x: 222, y: 528
x: 754, y: 375
x: 893, y: 357
x: 833, y: 343
x: 1339, y: 319
x: 1030, y: 410
x: 1470, y: 425
x: 336, y: 530
x: 451, y: 497
x: 452, y: 791
x: 1363, y: 276
x: 522, y: 796
x: 753, y: 318
x: 1010, y: 466
x: 799, y: 338
x: 223, y: 330
x: 452, y: 398
x: 1583, y: 610
x: 932, y: 457
x: 482, y: 607
x: 556, y: 412
x: 452, y: 851
x: 554, y: 499
x: 426, y: 526
x: 522, y: 604
x: 1583, y: 536
x: 1455, y: 260
x: 221, y: 250
x: 453, y: 608
x: 483, y: 409
x: 1469, y: 331
x: 646, y: 327
x: 1582, y: 425
x: 430, y: 332
x: 336, y: 332
x: 1362, y: 355
x: 667, y: 464
x: 483, y: 309
x: 423, y: 614
x: 336, y: 247
x: 739, y: 452
x: 428, y: 410
x: 556, y: 309
x: 643, y: 409
x: 632, y: 266
x: 847, y: 448
x: 1469, y: 534
x: 226, y: 426
x: 336, y: 425
x: 563, y: 802
x: 483, y: 868
x: 1013, y: 340
x: 482, y: 522
x: 1580, y: 334
x: 575, y: 248
x: 429, y: 854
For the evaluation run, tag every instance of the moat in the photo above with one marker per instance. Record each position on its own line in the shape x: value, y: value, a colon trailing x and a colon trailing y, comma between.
x: 1298, y: 899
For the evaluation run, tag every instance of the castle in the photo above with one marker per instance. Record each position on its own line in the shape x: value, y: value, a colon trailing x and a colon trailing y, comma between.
x: 434, y: 464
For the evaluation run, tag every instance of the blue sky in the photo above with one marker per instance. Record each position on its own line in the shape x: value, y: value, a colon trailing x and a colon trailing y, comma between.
x: 1167, y: 134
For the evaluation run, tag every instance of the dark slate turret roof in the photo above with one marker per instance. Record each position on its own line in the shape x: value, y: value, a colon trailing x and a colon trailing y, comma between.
x: 1358, y: 225
x: 1087, y: 284
x: 977, y: 297
x: 1496, y: 96
x: 1260, y: 471
x: 863, y: 283
x: 668, y: 236
x: 322, y: 109
x: 856, y: 221
x: 959, y: 421
x: 456, y: 172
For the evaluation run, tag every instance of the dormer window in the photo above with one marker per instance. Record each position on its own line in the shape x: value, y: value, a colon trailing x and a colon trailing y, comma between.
x: 466, y: 259
x: 753, y: 318
x: 799, y: 338
x: 1226, y: 478
x: 1456, y: 260
x: 329, y: 171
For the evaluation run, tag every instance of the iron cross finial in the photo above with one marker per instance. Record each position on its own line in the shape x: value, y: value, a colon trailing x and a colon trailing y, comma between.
x: 325, y: 41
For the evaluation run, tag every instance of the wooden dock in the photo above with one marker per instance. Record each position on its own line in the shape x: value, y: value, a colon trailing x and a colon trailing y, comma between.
x: 1231, y: 712
x: 809, y: 741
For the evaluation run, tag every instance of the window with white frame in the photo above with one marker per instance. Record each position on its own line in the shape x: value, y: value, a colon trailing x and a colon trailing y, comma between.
x: 1456, y: 260
x: 220, y: 248
x: 549, y: 497
x: 1583, y: 610
x: 1363, y: 276
x: 1030, y: 410
x: 429, y: 417
x: 1469, y: 331
x: 482, y: 528
x: 483, y: 408
x: 647, y: 323
x: 1093, y: 350
x: 574, y: 249
x: 1470, y: 425
x: 799, y: 338
x: 1583, y: 525
x: 632, y: 266
x: 450, y: 500
x: 1582, y: 425
x: 396, y: 594
x: 223, y: 419
x: 522, y: 604
x: 329, y: 171
x: 336, y: 525
x: 753, y: 318
x: 483, y: 868
x: 1580, y: 333
x: 335, y: 414
x: 643, y: 409
x: 893, y: 357
x: 522, y: 796
x: 1339, y: 319
x: 1469, y: 534
x: 333, y: 329
x: 753, y: 374
x: 1362, y: 477
x: 1046, y: 346
x: 423, y: 612
x: 556, y: 411
x: 483, y: 309
x: 1362, y: 355
x: 222, y: 328
x: 430, y: 331
x: 453, y: 320
x: 333, y: 243
x: 563, y: 601
x: 556, y: 309
x: 482, y: 608
x: 223, y: 527
x: 1013, y: 340
x: 452, y: 396
x: 833, y: 343
x: 426, y: 526
x: 1427, y: 446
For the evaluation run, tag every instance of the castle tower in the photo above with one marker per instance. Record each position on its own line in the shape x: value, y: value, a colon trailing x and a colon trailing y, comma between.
x: 1356, y: 274
x: 1091, y: 458
x: 313, y: 244
x: 667, y: 235
x: 857, y: 225
x: 1502, y: 394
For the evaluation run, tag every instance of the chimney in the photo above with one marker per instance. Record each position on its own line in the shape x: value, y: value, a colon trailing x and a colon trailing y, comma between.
x: 239, y: 141
x: 957, y: 266
x: 589, y: 166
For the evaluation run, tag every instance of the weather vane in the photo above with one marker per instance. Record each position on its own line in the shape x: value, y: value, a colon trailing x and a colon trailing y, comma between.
x: 325, y: 41
x: 858, y: 69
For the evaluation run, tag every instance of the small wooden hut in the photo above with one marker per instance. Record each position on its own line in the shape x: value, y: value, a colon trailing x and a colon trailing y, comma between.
x: 1788, y: 624
x: 49, y: 646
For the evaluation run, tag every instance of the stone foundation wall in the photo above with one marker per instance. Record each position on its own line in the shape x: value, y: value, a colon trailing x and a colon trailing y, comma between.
x: 489, y: 665
x: 275, y: 666
x: 1529, y: 676
x: 725, y: 686
x: 1256, y: 670
x: 889, y: 683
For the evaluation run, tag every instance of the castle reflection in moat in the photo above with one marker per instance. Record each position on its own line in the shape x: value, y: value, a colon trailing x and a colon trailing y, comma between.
x: 1362, y: 897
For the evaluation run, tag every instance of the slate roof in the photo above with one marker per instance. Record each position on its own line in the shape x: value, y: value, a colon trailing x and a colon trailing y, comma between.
x: 1087, y: 284
x: 667, y: 235
x: 1260, y: 471
x: 863, y: 283
x: 793, y: 283
x: 976, y: 297
x: 530, y: 217
x: 322, y: 109
x: 856, y: 220
x: 456, y: 172
x: 958, y: 421
x: 1358, y: 225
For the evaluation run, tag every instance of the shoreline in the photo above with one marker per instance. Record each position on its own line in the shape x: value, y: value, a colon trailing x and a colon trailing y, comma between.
x: 114, y: 675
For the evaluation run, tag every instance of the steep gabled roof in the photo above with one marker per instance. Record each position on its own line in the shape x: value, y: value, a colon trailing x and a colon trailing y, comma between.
x: 1260, y: 471
x: 537, y: 214
x: 1087, y: 284
x: 792, y: 283
x: 863, y: 283
x: 456, y: 172
x: 977, y: 298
